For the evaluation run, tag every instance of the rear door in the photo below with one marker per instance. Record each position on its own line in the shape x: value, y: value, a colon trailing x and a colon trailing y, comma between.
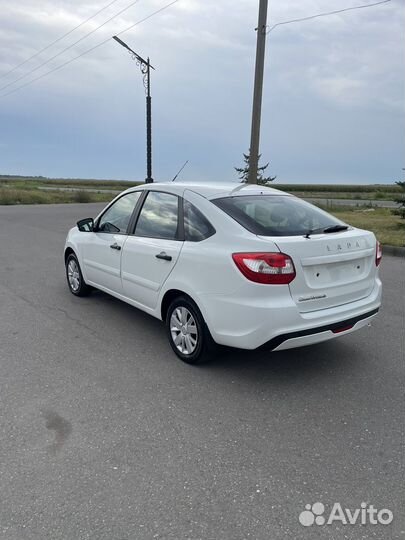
x: 150, y: 254
x: 332, y: 269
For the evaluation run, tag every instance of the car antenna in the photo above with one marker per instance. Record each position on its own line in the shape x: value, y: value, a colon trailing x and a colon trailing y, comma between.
x: 175, y: 178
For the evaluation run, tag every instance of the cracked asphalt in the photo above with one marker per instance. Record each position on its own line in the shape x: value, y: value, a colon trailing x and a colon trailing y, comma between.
x: 105, y: 435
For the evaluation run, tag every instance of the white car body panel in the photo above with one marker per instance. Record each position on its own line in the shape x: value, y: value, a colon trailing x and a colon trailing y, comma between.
x: 102, y: 264
x: 333, y: 284
x: 331, y: 270
x: 143, y: 275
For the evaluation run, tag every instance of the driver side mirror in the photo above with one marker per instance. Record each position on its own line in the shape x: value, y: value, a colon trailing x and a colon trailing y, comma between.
x: 86, y: 225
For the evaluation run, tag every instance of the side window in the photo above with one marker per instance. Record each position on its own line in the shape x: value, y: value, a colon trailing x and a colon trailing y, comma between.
x: 196, y: 226
x: 116, y: 219
x: 159, y: 216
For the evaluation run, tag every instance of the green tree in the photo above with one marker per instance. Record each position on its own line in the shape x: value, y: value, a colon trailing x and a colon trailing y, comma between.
x: 400, y: 211
x: 243, y: 172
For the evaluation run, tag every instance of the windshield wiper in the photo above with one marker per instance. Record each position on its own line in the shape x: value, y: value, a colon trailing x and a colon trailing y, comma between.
x: 335, y: 228
x: 327, y: 230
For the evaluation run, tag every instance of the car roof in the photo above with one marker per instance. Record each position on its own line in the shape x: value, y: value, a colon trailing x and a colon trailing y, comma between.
x: 211, y: 190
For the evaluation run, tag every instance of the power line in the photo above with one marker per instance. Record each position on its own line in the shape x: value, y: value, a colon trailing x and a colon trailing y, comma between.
x: 89, y: 50
x: 328, y: 13
x: 67, y: 48
x: 57, y: 40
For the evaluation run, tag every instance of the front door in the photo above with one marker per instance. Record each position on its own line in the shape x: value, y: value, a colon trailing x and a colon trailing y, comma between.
x: 103, y: 249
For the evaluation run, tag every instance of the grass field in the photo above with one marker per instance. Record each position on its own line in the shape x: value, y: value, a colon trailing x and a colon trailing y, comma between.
x: 11, y: 196
x: 39, y: 190
x: 35, y: 182
x: 389, y: 229
x: 340, y: 188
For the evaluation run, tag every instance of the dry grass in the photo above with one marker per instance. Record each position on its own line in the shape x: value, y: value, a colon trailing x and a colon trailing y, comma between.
x: 389, y: 229
x: 9, y: 196
x: 28, y: 182
x: 333, y: 190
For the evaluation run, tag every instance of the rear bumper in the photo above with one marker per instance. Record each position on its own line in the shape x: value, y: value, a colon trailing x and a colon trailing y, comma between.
x: 250, y: 321
x: 317, y: 335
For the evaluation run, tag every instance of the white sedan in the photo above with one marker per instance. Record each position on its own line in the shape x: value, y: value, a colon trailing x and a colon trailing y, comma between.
x: 243, y: 266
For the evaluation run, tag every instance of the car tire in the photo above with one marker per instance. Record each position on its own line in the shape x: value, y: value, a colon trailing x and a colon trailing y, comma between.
x: 188, y: 333
x: 74, y: 276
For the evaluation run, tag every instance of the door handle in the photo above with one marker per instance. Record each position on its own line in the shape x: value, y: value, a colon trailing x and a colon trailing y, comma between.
x: 163, y: 256
x: 115, y: 246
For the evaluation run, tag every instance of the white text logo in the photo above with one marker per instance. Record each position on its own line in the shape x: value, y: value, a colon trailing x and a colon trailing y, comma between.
x: 367, y: 514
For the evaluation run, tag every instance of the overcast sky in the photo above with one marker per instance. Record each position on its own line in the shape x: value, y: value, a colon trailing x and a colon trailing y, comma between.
x: 333, y: 105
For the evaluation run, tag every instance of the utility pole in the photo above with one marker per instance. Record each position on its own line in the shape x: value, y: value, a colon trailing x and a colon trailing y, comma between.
x: 144, y: 66
x: 149, y: 179
x: 258, y: 92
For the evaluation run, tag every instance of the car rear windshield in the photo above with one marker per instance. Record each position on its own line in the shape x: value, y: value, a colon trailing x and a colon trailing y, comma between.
x: 276, y: 215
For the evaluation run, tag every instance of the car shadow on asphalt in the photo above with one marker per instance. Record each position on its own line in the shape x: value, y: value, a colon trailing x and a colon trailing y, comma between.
x: 123, y: 312
x: 321, y: 360
x: 324, y: 360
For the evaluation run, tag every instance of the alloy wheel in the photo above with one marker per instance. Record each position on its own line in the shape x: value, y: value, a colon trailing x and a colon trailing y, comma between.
x: 183, y: 330
x: 73, y: 275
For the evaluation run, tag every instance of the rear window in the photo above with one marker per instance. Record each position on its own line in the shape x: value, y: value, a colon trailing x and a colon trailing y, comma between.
x: 275, y: 215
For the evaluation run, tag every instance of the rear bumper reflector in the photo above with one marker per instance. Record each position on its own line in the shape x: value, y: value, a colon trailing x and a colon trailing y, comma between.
x: 343, y: 329
x: 336, y: 328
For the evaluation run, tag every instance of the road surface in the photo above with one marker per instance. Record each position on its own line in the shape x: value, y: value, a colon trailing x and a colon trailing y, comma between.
x: 105, y: 435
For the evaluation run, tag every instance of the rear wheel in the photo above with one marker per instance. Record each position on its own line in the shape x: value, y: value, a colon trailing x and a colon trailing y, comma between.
x: 188, y: 334
x: 74, y: 276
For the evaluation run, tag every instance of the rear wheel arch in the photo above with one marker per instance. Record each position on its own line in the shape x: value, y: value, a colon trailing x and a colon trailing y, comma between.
x: 171, y: 295
x: 168, y: 298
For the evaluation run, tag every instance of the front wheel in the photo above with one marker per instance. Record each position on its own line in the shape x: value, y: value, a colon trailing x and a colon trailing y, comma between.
x: 74, y: 276
x: 188, y: 334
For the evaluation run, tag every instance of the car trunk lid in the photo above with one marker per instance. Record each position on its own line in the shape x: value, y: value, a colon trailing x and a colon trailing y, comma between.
x: 332, y: 269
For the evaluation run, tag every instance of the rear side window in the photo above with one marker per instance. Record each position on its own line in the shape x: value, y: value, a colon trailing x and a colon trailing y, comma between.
x: 275, y: 215
x: 159, y: 216
x: 196, y: 226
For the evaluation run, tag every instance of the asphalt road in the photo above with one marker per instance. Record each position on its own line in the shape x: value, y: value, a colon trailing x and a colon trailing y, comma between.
x: 105, y: 435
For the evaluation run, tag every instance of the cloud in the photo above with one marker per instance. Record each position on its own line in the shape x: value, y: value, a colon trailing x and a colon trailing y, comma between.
x: 338, y: 71
x: 342, y: 89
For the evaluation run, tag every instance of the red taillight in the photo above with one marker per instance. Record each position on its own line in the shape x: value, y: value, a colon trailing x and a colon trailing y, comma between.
x: 269, y: 268
x: 378, y: 253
